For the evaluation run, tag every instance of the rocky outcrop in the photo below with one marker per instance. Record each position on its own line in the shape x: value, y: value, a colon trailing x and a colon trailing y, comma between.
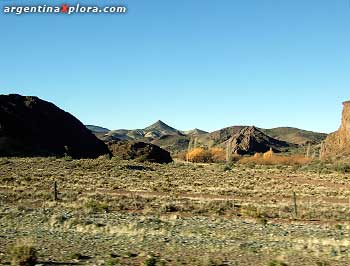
x: 129, y: 150
x: 30, y: 126
x: 251, y: 140
x: 338, y: 143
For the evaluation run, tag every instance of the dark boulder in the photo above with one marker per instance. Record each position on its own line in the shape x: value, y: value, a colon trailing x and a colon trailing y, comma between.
x: 30, y: 126
x: 142, y: 151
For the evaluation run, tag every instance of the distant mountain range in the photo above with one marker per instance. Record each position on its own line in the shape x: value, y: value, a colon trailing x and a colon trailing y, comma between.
x: 175, y: 140
x: 25, y: 121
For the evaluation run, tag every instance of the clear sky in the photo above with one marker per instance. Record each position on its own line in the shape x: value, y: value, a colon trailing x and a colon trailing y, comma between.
x: 191, y: 63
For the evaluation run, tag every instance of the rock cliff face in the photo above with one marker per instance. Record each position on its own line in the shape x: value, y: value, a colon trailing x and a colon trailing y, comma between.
x: 345, y: 122
x: 30, y: 126
x: 338, y: 143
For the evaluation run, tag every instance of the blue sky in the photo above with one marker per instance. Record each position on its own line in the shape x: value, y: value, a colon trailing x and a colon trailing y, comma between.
x: 190, y: 63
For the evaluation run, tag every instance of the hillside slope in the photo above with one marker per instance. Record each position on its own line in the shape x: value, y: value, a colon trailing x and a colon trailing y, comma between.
x: 295, y: 135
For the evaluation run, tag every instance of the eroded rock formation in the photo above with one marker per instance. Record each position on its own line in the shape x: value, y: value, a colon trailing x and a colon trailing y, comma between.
x: 251, y: 140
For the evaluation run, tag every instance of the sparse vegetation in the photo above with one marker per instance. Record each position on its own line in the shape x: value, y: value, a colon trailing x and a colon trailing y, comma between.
x: 182, y: 212
x: 342, y: 167
x: 95, y: 206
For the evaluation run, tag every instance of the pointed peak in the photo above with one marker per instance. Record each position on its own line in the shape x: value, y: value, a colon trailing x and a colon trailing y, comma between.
x: 160, y: 126
x: 160, y: 122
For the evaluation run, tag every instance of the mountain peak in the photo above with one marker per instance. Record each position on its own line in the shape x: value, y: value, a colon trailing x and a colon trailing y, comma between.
x: 252, y: 130
x: 160, y: 128
x: 159, y: 125
x: 160, y: 122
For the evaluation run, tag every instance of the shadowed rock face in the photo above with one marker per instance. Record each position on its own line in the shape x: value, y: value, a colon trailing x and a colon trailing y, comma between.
x: 338, y: 143
x: 30, y: 126
x: 250, y: 140
x: 139, y: 150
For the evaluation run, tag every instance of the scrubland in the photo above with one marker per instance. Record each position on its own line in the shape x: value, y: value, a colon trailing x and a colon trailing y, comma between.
x: 115, y: 212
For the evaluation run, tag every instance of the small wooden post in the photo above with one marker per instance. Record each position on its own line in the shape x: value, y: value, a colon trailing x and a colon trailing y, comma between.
x: 295, y: 210
x: 55, y: 193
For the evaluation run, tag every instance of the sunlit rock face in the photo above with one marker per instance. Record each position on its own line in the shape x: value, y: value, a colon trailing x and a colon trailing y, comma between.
x: 338, y: 143
x: 345, y: 123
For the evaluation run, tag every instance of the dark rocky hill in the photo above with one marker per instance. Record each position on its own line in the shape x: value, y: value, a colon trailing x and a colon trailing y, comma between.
x: 30, y: 126
x: 220, y: 136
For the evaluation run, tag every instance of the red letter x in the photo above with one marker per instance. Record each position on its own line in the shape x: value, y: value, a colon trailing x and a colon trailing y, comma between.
x: 64, y: 8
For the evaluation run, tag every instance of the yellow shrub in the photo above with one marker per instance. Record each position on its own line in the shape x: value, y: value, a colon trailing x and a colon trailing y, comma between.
x: 217, y: 155
x: 268, y: 154
x: 272, y: 159
x: 199, y: 155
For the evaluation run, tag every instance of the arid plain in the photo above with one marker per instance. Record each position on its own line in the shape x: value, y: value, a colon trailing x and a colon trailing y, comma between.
x: 117, y: 212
